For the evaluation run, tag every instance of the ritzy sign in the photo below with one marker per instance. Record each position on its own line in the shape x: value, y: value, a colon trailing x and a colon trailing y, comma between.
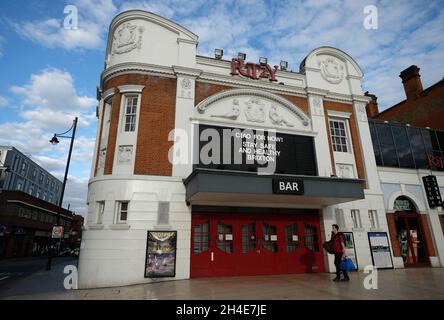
x: 253, y: 70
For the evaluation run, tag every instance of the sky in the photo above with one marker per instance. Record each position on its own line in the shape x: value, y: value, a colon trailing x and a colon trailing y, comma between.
x: 49, y: 74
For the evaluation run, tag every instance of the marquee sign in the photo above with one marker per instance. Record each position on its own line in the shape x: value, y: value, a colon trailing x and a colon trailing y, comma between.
x: 432, y: 191
x: 252, y: 70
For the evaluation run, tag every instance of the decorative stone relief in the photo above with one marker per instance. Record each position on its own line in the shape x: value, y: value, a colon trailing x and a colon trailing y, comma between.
x: 345, y: 171
x: 186, y: 90
x: 102, y: 157
x: 332, y: 70
x: 127, y: 38
x: 233, y: 114
x: 125, y: 154
x: 361, y: 113
x: 254, y: 111
x: 316, y: 106
x: 277, y: 118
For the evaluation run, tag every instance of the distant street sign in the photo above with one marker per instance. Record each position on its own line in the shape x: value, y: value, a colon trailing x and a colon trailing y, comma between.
x: 57, y: 232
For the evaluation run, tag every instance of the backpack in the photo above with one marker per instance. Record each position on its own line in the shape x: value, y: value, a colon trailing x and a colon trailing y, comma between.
x: 328, y: 246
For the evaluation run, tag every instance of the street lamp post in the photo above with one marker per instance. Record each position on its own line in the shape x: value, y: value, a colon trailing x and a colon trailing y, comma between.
x: 55, y: 141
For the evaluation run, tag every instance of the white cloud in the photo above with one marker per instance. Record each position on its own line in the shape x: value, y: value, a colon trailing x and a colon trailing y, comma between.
x: 93, y: 20
x: 3, y: 102
x: 50, y: 103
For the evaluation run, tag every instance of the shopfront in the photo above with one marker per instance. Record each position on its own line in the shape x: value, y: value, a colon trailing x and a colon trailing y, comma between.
x: 410, y: 233
x: 234, y: 244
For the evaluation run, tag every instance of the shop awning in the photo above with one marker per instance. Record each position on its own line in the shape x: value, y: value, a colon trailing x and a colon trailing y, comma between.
x: 248, y: 189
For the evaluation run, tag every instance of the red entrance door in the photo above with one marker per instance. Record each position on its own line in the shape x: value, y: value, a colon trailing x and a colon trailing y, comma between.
x: 225, y: 245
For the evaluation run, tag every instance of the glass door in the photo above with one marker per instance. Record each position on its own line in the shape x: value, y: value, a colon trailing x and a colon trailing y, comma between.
x: 411, y: 242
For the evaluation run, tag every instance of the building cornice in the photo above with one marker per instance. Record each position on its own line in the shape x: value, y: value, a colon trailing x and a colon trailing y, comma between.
x: 361, y: 98
x: 184, y: 71
x: 135, y: 67
x: 248, y: 83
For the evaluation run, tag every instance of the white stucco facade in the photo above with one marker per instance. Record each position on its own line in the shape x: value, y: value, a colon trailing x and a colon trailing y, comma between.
x: 114, y: 253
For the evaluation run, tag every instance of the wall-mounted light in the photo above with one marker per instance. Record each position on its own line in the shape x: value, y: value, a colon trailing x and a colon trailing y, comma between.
x: 242, y: 56
x: 263, y: 61
x: 218, y: 53
x: 284, y: 65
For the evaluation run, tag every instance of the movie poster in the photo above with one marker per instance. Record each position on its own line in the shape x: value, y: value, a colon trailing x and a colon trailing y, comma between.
x: 161, y: 254
x: 350, y: 247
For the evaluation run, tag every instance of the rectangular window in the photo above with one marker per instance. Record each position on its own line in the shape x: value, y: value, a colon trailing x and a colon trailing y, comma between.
x: 130, y: 113
x: 122, y: 212
x: 356, y: 218
x: 38, y: 194
x: 34, y: 173
x: 31, y: 189
x: 100, y: 211
x: 41, y: 177
x: 19, y: 185
x: 339, y: 217
x: 338, y: 136
x: 387, y: 145
x: 23, y: 170
x: 373, y: 217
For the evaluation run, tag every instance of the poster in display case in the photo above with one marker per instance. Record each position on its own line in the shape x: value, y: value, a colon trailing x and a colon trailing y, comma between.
x: 161, y: 254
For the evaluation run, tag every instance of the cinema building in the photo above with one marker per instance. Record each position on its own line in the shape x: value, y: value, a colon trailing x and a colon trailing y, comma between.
x: 168, y: 199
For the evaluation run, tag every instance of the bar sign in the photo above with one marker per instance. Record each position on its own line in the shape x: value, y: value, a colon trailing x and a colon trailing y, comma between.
x: 288, y: 186
x: 432, y: 191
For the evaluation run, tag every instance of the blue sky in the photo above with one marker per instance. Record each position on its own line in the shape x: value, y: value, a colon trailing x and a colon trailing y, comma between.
x: 49, y: 74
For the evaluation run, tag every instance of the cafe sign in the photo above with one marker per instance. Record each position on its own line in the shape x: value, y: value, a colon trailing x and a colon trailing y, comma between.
x: 252, y: 70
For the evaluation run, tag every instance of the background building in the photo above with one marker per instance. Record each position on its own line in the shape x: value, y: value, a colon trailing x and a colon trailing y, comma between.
x: 25, y: 175
x: 421, y: 108
x: 26, y: 223
x: 227, y: 219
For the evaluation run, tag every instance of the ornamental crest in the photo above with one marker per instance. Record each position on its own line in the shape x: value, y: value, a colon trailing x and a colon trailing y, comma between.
x: 331, y: 70
x: 127, y: 38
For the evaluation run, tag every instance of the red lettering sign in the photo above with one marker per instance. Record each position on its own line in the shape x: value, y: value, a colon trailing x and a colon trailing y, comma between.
x: 252, y: 70
x: 436, y: 161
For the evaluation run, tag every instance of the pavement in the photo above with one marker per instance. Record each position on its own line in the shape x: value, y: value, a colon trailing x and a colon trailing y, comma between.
x: 27, y: 276
x: 419, y: 284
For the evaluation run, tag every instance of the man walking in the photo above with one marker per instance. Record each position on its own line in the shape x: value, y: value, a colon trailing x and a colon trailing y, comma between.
x: 339, y: 251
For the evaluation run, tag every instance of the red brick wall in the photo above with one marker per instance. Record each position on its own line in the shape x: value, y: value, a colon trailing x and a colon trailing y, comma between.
x: 156, y: 120
x: 336, y: 106
x: 425, y: 111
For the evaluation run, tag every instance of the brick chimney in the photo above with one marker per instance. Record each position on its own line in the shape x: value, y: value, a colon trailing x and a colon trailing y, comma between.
x: 411, y: 81
x: 372, y: 106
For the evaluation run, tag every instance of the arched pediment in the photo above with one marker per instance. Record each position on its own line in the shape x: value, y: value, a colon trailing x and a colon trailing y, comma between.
x: 253, y: 108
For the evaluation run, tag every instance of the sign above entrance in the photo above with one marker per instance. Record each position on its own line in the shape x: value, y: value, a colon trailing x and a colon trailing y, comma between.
x: 252, y: 70
x: 288, y: 186
x: 432, y: 191
x: 403, y: 204
x: 436, y: 162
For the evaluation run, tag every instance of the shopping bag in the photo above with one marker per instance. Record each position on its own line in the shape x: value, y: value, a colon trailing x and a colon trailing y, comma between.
x: 328, y: 246
x: 347, y: 265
